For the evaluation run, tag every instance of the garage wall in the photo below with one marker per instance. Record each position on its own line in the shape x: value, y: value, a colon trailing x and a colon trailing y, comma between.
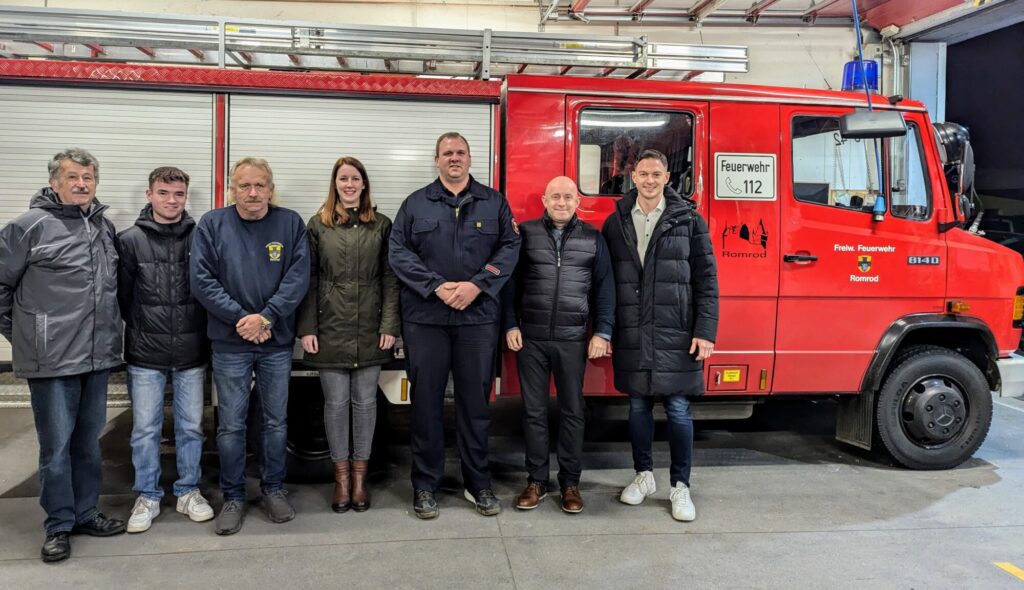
x: 303, y: 137
x: 129, y: 132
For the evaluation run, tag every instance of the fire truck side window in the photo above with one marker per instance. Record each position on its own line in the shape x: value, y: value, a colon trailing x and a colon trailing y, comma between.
x: 832, y: 171
x: 611, y: 139
x: 911, y: 197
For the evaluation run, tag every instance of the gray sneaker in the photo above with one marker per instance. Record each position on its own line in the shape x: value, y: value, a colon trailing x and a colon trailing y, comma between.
x: 231, y: 517
x: 277, y: 506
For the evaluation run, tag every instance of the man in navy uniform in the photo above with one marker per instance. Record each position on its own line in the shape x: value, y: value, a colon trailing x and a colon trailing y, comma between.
x: 453, y: 246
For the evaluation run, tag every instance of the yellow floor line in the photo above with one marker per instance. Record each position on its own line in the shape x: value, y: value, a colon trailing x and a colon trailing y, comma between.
x: 1010, y: 569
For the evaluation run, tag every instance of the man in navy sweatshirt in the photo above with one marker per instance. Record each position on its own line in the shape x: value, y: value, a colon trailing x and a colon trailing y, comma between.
x: 250, y: 270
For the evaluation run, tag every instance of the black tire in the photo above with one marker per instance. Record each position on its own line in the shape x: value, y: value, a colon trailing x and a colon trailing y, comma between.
x: 309, y: 455
x: 934, y: 408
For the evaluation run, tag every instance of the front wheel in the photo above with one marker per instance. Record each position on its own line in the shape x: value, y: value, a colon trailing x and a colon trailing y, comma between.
x: 934, y: 409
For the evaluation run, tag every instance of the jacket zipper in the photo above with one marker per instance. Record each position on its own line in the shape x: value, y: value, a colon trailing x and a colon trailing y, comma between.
x: 558, y: 276
x: 458, y: 242
x: 355, y: 275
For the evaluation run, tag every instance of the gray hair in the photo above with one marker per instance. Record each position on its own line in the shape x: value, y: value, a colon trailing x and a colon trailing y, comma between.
x: 256, y: 163
x: 76, y: 155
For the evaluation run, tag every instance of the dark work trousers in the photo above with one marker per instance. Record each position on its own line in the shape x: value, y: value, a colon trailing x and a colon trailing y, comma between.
x: 468, y: 353
x: 537, y: 361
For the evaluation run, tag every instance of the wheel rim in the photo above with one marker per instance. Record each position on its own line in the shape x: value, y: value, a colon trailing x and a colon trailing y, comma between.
x: 934, y: 411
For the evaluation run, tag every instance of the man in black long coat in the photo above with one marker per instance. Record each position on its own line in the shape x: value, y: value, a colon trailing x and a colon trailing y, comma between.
x: 666, y: 320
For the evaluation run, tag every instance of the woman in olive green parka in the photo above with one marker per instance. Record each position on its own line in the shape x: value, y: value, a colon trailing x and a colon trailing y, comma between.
x: 348, y: 322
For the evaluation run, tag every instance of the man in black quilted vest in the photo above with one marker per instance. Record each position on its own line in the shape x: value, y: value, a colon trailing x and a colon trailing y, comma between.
x: 666, y: 320
x: 564, y: 279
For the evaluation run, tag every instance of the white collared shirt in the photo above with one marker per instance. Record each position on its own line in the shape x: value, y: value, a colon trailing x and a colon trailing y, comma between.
x: 644, y: 223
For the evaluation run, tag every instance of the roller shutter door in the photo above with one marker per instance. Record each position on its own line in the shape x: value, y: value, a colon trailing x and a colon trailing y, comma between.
x: 303, y: 137
x: 129, y: 131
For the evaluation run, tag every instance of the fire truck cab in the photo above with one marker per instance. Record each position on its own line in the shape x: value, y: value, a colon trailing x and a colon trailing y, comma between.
x: 843, y: 261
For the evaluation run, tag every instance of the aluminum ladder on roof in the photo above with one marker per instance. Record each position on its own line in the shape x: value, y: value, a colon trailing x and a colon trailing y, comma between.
x: 123, y: 37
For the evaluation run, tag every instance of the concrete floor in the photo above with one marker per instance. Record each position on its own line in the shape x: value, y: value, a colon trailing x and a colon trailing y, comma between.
x: 780, y: 505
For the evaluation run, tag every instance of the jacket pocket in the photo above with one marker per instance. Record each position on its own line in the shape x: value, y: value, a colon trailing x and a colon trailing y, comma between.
x: 423, y: 225
x: 41, y: 336
x: 25, y: 341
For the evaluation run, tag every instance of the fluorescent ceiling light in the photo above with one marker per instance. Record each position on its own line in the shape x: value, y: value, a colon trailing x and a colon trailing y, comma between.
x: 637, y: 123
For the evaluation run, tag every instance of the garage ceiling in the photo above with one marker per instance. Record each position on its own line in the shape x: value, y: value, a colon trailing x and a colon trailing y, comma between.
x: 877, y: 14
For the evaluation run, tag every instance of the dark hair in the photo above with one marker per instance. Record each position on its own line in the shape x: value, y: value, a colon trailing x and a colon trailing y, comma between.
x: 449, y: 135
x: 329, y: 210
x: 168, y: 174
x: 653, y: 155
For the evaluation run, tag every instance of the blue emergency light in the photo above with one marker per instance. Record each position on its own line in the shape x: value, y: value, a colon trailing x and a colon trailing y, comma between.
x: 854, y: 75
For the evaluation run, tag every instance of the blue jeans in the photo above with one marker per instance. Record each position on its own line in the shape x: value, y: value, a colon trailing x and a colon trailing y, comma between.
x: 69, y: 414
x: 146, y: 388
x: 680, y: 434
x: 233, y: 376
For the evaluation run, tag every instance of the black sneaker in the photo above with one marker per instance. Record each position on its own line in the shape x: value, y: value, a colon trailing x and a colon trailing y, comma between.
x: 56, y: 547
x: 277, y: 506
x: 424, y: 505
x: 99, y: 526
x: 485, y: 502
x: 231, y: 517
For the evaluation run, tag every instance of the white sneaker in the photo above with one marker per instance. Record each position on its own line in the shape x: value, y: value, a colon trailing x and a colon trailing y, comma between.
x: 195, y: 506
x: 642, y: 486
x: 143, y: 513
x: 682, y: 506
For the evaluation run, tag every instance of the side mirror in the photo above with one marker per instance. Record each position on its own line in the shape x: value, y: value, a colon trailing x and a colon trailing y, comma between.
x: 966, y: 206
x: 862, y: 124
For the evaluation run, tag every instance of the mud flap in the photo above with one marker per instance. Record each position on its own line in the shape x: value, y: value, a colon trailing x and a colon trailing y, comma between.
x: 855, y: 419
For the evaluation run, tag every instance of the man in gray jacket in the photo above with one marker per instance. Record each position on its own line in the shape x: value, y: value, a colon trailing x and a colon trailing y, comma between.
x: 58, y: 309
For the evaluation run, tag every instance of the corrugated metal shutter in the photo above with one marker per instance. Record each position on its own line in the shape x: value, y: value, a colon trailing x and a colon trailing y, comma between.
x: 303, y: 137
x: 129, y: 132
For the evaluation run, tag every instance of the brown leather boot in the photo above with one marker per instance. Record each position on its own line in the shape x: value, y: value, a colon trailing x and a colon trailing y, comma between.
x: 342, y: 485
x: 360, y: 494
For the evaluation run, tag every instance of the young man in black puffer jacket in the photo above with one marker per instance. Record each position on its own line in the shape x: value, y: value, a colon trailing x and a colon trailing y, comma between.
x: 165, y: 332
x: 666, y: 320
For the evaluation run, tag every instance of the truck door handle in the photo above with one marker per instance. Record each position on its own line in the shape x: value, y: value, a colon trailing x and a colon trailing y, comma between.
x: 799, y: 258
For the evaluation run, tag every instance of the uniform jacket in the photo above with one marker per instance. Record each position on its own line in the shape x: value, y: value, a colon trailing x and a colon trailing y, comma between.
x: 58, y: 289
x: 164, y: 325
x: 441, y: 237
x: 664, y: 303
x: 557, y: 285
x: 353, y: 293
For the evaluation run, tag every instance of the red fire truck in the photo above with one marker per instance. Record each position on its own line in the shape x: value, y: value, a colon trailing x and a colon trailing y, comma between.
x: 845, y: 265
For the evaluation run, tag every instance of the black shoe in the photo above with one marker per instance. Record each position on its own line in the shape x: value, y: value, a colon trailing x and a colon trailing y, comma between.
x: 485, y: 502
x: 56, y: 547
x: 424, y: 505
x: 99, y: 526
x: 231, y: 517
